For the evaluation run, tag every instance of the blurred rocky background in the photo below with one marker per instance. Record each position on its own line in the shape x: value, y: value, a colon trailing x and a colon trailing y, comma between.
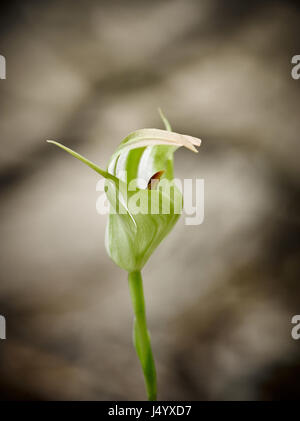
x: 221, y: 295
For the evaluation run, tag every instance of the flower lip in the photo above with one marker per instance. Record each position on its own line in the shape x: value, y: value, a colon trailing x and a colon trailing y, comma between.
x: 154, y: 180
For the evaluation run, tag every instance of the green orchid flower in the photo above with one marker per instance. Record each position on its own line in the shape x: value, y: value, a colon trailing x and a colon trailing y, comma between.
x: 145, y: 204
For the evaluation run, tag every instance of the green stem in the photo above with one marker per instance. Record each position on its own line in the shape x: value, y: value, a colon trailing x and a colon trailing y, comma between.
x: 141, y: 336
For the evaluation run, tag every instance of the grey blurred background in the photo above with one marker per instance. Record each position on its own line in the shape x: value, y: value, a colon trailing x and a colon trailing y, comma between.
x: 220, y: 296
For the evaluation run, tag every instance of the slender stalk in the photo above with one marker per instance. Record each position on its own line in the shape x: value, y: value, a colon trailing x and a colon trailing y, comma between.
x: 141, y: 338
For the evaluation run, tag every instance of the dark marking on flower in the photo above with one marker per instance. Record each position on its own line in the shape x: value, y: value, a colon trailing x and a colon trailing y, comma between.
x: 154, y: 180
